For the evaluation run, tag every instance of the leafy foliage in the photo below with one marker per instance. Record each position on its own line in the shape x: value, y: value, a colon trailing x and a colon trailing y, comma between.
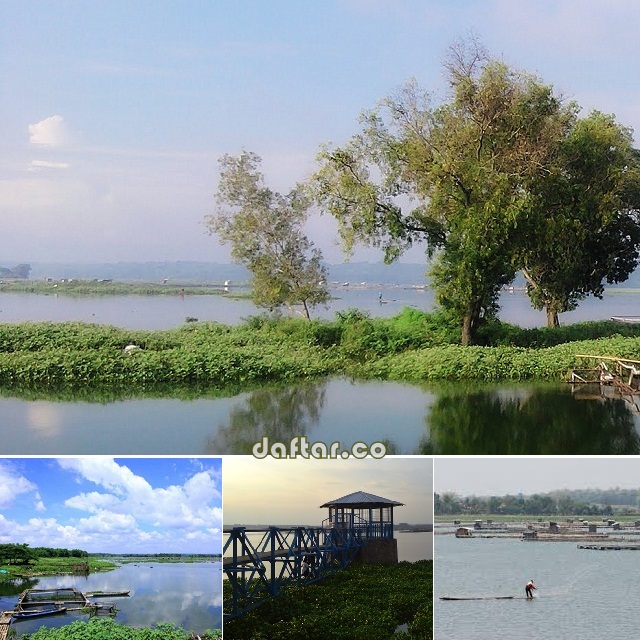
x: 366, y: 601
x: 264, y: 229
x: 412, y: 346
x: 462, y: 164
x: 108, y: 629
x: 583, y: 227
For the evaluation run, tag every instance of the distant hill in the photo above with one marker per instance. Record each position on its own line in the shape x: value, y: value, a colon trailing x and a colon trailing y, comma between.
x: 186, y: 271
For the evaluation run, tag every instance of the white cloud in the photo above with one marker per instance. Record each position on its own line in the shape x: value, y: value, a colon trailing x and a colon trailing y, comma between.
x: 92, y: 502
x: 51, y: 132
x: 34, y: 165
x: 12, y: 485
x: 177, y: 507
x: 106, y: 522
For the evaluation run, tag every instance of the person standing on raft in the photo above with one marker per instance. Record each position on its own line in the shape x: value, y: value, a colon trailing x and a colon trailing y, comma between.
x: 528, y: 589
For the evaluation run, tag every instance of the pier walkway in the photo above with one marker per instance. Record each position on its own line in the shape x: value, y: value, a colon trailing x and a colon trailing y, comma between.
x: 260, y: 563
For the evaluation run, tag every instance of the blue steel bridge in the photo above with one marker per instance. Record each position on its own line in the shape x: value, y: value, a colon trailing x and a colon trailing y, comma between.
x: 261, y: 562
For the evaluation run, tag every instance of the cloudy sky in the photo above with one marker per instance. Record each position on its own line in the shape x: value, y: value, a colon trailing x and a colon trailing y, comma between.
x: 501, y: 476
x: 98, y: 504
x: 291, y: 491
x: 114, y: 113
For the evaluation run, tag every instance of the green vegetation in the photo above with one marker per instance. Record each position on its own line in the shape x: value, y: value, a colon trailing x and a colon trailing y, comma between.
x: 107, y: 288
x: 160, y: 557
x: 413, y: 346
x: 365, y: 601
x: 54, y: 567
x: 108, y: 629
x: 502, y: 176
x: 586, y: 502
x: 265, y: 231
x: 21, y: 560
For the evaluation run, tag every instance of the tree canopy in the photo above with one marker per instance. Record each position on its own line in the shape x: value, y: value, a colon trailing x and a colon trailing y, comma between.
x: 584, y: 227
x: 265, y: 231
x: 487, y: 180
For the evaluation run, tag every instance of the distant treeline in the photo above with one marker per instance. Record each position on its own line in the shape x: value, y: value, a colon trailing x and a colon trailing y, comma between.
x: 19, y: 271
x: 154, y: 555
x: 585, y: 502
x: 24, y: 554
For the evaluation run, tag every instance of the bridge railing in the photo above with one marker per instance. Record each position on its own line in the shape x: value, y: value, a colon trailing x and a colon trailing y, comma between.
x: 260, y: 563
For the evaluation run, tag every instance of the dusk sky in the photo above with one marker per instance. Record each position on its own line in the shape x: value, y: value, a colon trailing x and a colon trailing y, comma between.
x: 291, y: 491
x: 114, y: 113
x: 504, y: 475
x: 98, y: 504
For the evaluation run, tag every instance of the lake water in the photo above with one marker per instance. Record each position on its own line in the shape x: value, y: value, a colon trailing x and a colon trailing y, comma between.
x: 454, y: 419
x: 581, y: 594
x: 164, y: 312
x: 526, y: 419
x: 412, y: 546
x: 186, y: 594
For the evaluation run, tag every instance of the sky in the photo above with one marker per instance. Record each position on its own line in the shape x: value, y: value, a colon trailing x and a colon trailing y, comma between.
x: 114, y: 114
x: 502, y: 476
x: 106, y: 505
x: 279, y: 492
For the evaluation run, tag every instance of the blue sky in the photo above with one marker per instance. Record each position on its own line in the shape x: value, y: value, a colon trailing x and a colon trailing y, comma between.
x: 114, y: 113
x: 100, y: 504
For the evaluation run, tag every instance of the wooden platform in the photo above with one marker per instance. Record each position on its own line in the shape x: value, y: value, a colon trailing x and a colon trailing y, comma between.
x: 5, y: 621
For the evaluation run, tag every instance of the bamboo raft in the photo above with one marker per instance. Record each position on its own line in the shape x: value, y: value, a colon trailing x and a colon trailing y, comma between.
x: 5, y: 621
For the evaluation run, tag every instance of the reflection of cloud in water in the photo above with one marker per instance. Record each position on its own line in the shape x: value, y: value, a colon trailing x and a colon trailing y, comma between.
x: 189, y: 595
x: 44, y: 418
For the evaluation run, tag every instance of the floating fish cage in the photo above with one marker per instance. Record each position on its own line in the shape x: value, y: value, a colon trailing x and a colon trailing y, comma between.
x: 36, y: 598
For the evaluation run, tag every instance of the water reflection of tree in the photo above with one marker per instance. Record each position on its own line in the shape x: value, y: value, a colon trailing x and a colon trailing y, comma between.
x: 280, y: 414
x: 544, y: 422
x: 15, y: 586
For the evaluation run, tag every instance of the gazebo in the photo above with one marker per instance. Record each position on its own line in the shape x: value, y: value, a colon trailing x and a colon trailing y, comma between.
x: 371, y: 518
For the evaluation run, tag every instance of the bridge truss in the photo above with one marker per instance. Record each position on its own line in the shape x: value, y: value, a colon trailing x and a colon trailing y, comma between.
x: 261, y: 563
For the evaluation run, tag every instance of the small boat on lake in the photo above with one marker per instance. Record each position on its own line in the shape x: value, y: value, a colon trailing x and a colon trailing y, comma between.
x: 107, y: 594
x: 37, y: 613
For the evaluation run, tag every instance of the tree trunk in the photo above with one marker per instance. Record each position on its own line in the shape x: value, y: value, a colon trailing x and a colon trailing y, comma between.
x: 552, y: 317
x: 466, y: 336
x: 470, y: 324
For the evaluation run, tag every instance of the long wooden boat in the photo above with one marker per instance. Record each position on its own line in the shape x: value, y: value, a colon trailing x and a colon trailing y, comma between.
x: 480, y: 598
x: 36, y: 613
x: 107, y: 594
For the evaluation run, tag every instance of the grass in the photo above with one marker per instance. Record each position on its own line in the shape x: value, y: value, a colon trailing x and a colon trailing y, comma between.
x: 53, y: 566
x: 105, y: 288
x: 364, y: 601
x: 412, y: 347
x: 108, y: 629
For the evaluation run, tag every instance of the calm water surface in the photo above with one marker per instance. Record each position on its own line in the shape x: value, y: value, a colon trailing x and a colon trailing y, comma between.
x: 581, y: 594
x: 456, y: 419
x: 164, y: 312
x: 524, y: 419
x: 186, y: 594
x: 412, y: 546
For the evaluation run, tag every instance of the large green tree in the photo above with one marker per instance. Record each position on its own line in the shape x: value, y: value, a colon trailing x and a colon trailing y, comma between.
x: 451, y: 175
x: 265, y: 231
x: 584, y: 225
